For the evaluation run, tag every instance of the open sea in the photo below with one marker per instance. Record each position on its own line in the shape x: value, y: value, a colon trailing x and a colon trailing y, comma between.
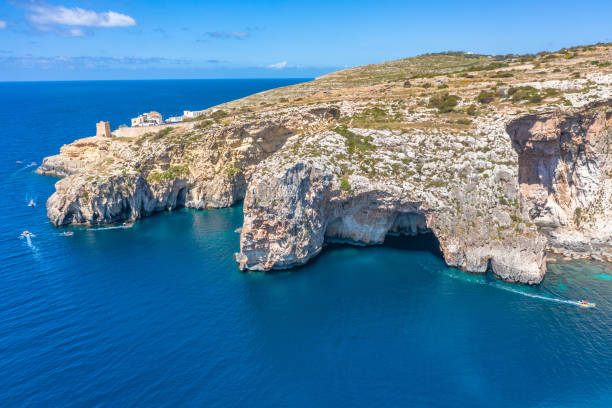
x: 158, y: 315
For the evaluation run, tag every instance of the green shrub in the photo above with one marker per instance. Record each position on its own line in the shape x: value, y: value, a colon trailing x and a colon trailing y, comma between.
x: 524, y: 93
x: 578, y: 216
x: 485, y: 97
x: 354, y: 142
x: 203, y: 125
x: 444, y: 102
x: 435, y: 184
x: 233, y: 171
x: 161, y: 133
x: 550, y: 92
x: 172, y: 173
x: 537, y: 98
x: 504, y: 74
x: 488, y: 67
x: 374, y: 113
x: 471, y: 110
x: 344, y: 184
x: 219, y: 114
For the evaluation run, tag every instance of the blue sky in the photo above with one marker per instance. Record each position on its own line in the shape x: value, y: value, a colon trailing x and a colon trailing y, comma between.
x: 61, y: 39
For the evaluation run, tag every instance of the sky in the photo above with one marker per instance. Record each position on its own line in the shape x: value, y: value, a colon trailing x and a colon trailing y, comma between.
x: 149, y: 39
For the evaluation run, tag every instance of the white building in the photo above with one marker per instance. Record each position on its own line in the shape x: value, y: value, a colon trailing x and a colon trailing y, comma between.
x: 148, y: 119
x: 174, y: 119
x: 192, y: 114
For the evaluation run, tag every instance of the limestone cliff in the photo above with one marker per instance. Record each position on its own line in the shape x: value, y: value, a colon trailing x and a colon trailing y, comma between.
x: 564, y: 175
x: 357, y: 186
x: 501, y: 157
x: 205, y: 166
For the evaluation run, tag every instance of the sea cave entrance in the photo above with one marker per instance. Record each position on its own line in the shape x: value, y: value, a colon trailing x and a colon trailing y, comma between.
x: 426, y: 241
x: 400, y: 230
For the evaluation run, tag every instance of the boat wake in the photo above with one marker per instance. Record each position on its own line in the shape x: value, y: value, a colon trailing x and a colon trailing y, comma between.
x: 28, y: 240
x: 541, y: 297
x: 109, y: 228
x: 481, y: 280
x: 27, y: 166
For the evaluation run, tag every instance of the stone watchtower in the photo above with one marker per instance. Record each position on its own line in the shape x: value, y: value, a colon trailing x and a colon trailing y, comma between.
x: 103, y: 129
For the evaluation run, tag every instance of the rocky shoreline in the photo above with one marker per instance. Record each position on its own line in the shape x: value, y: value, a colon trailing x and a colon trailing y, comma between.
x: 498, y: 179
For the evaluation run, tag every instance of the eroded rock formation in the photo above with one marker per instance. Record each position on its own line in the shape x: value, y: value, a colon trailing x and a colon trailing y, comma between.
x: 499, y: 161
x: 207, y: 166
x: 292, y: 207
x: 564, y: 175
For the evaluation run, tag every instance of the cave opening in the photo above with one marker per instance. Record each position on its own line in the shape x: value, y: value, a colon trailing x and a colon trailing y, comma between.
x: 426, y: 241
x: 181, y: 198
x: 407, y: 231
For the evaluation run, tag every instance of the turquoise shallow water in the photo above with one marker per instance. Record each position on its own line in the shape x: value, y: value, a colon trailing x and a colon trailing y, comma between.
x: 159, y: 315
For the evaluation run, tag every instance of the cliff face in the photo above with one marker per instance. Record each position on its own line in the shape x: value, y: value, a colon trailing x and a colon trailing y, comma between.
x: 501, y: 159
x: 468, y: 200
x: 564, y: 175
x: 113, y: 179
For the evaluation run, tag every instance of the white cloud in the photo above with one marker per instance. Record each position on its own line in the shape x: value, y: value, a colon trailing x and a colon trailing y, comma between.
x: 74, y: 32
x: 43, y: 14
x: 68, y: 62
x: 228, y: 34
x: 2, y: 24
x: 278, y: 65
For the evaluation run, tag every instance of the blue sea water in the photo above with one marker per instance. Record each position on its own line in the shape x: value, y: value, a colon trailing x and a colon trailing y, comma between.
x: 159, y: 315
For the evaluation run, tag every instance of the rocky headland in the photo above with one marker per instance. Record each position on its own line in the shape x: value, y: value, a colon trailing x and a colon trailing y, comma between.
x: 502, y: 158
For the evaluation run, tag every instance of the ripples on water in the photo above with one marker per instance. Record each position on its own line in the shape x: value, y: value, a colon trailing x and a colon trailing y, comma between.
x: 158, y: 315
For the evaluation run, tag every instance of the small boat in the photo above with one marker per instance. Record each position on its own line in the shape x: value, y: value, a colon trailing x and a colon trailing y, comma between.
x: 31, y: 203
x: 68, y: 233
x: 127, y: 224
x: 27, y: 233
x: 584, y: 303
x: 18, y: 162
x: 238, y: 230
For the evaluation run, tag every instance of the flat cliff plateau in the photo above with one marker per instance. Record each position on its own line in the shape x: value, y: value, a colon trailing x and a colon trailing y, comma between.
x: 502, y: 158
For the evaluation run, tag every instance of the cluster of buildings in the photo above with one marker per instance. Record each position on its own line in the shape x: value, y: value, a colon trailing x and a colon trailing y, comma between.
x: 148, y: 119
x: 152, y: 118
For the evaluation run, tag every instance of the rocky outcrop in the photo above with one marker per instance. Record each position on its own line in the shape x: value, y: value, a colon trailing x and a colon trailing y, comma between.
x: 75, y: 157
x: 564, y: 174
x: 293, y: 207
x: 467, y: 150
x: 206, y: 166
